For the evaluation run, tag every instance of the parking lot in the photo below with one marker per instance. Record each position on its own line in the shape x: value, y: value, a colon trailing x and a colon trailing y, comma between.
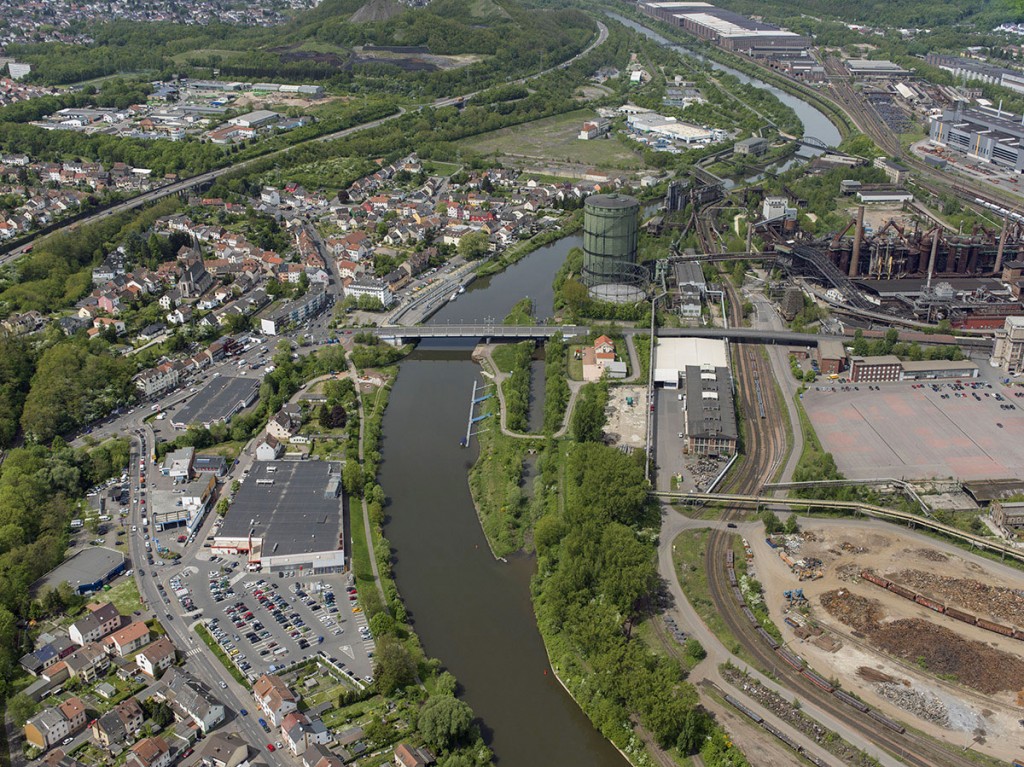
x: 264, y: 622
x: 920, y: 430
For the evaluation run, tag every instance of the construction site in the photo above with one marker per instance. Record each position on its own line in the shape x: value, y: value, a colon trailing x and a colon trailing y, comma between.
x: 909, y: 626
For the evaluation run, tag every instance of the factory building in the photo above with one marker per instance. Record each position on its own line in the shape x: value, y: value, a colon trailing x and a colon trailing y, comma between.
x: 994, y: 137
x: 1009, y: 351
x: 729, y: 30
x: 889, y: 368
x: 971, y: 69
x: 710, y: 413
x: 866, y: 69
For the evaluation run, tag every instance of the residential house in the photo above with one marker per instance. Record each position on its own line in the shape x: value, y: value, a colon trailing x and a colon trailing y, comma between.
x: 410, y: 756
x: 50, y: 726
x: 129, y: 639
x: 318, y: 756
x: 159, y: 379
x: 157, y: 657
x: 149, y: 752
x: 299, y: 732
x: 273, y: 698
x: 101, y: 620
x: 224, y: 749
x: 88, y: 663
x: 190, y: 700
x: 599, y: 358
x: 119, y: 724
x: 285, y: 423
x: 268, y: 448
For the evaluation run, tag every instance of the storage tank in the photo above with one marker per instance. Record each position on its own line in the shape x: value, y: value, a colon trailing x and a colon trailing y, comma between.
x: 610, y: 235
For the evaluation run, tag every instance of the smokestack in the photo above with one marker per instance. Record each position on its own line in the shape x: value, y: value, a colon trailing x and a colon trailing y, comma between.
x: 858, y: 235
x: 1002, y: 245
x: 931, y: 261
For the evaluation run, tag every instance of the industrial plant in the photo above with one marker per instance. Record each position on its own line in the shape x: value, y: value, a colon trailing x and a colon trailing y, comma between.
x: 610, y: 239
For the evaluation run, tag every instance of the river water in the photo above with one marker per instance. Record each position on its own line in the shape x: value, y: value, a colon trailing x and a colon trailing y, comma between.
x: 470, y: 611
x: 815, y: 122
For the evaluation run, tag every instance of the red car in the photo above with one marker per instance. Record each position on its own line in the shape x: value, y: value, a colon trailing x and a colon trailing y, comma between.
x: 270, y: 747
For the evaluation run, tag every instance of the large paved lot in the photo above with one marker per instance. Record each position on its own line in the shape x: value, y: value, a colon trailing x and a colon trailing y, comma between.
x: 290, y: 614
x: 904, y: 432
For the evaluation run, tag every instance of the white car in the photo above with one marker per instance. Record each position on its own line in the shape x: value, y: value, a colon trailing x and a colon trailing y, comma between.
x: 223, y: 685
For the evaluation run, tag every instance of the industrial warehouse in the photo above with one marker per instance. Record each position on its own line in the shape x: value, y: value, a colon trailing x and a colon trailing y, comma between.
x: 991, y: 136
x: 287, y: 515
x: 729, y: 30
x: 699, y: 369
x: 86, y: 571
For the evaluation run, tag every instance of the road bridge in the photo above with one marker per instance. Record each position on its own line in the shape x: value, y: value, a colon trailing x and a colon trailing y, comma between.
x: 406, y: 334
x: 867, y: 509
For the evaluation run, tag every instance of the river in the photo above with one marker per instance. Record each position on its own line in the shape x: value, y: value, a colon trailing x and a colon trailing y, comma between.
x: 815, y: 122
x: 470, y: 611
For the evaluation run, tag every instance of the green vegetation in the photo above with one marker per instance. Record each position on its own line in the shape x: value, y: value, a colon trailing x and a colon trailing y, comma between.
x: 554, y: 139
x: 688, y: 553
x: 521, y: 313
x: 891, y: 344
x: 209, y: 641
x: 588, y: 415
x: 494, y: 482
x: 370, y: 352
x: 516, y: 388
x: 556, y: 388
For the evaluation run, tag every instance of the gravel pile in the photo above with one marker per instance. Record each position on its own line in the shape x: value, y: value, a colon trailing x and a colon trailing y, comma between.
x: 923, y: 705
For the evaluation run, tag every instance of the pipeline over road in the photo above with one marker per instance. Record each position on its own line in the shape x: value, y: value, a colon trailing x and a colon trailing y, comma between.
x: 870, y: 510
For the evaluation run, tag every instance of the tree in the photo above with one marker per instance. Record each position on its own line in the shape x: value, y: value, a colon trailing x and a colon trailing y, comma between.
x: 696, y: 725
x: 792, y: 525
x: 395, y: 667
x: 473, y: 245
x: 694, y: 649
x: 444, y: 721
x: 21, y: 708
x: 772, y: 524
x: 383, y: 624
x: 352, y: 477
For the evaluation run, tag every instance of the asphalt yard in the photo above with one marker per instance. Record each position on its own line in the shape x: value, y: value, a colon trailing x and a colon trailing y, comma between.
x: 264, y: 622
x: 920, y: 430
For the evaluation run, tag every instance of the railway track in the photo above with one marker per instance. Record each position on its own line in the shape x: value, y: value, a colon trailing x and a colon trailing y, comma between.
x: 765, y: 445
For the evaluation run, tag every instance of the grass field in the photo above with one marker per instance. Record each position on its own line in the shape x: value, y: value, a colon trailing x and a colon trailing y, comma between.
x: 554, y: 139
x: 688, y: 551
x: 124, y: 596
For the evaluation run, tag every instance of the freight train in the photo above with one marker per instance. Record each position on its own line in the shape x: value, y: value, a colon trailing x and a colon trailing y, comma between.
x: 758, y: 719
x: 798, y: 663
x: 938, y: 607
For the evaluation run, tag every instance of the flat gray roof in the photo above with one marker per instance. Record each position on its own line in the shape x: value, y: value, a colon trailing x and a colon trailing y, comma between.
x: 300, y: 512
x: 218, y: 400
x: 713, y: 416
x: 88, y: 565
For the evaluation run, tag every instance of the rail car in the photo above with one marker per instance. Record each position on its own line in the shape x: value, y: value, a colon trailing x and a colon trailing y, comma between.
x: 772, y: 642
x: 750, y: 615
x: 818, y: 679
x: 743, y: 709
x: 886, y: 721
x: 849, y: 700
x: 793, y: 660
